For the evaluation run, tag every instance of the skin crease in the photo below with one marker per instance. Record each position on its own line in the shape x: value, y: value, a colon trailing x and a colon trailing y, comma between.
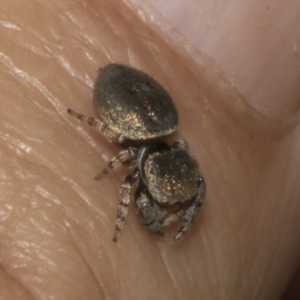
x: 56, y: 222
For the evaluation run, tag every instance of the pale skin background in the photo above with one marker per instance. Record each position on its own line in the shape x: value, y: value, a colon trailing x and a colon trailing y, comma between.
x: 234, y: 74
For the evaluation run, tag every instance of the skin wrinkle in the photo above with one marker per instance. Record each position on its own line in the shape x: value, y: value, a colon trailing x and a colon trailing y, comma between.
x: 242, y: 106
x: 213, y: 283
x: 149, y: 54
x: 16, y: 143
x: 84, y: 36
x: 20, y: 280
x: 169, y: 272
x: 276, y: 261
x: 76, y: 188
x: 10, y: 26
x: 293, y: 206
x: 280, y: 247
x: 181, y: 292
x: 48, y: 46
x: 115, y: 34
x: 213, y: 265
x: 265, y: 268
x: 246, y: 261
x: 143, y: 251
x: 258, y: 291
x: 71, y: 183
x: 239, y: 251
x: 33, y: 81
x: 49, y: 249
x: 83, y: 259
x: 13, y: 21
x: 21, y: 284
x: 189, y: 276
x: 90, y: 268
x: 272, y: 267
x: 43, y: 53
x: 111, y: 28
x: 171, y: 276
x: 32, y: 32
x: 229, y: 219
x: 111, y: 262
x: 195, y: 263
x: 229, y: 228
x: 49, y: 14
x: 143, y: 256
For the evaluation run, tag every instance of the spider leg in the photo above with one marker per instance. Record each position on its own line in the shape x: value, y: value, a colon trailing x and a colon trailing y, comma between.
x: 180, y: 144
x: 149, y: 213
x: 122, y: 157
x: 173, y: 217
x: 192, y: 211
x: 124, y: 195
x: 98, y: 125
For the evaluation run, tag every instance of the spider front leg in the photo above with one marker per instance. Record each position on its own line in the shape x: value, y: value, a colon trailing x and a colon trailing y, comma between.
x: 122, y: 157
x: 172, y: 217
x: 124, y: 195
x: 149, y: 214
x: 192, y: 211
x: 98, y: 125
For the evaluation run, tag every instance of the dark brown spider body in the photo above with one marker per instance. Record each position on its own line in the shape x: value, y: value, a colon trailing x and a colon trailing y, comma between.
x: 136, y: 113
x: 169, y: 173
x: 133, y: 104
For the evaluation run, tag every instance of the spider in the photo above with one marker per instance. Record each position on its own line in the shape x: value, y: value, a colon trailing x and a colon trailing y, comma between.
x: 136, y: 114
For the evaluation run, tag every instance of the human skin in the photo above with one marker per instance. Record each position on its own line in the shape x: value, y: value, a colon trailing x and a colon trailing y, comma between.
x: 57, y: 222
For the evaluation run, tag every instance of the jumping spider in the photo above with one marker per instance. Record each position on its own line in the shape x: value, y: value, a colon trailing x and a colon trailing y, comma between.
x: 136, y: 113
